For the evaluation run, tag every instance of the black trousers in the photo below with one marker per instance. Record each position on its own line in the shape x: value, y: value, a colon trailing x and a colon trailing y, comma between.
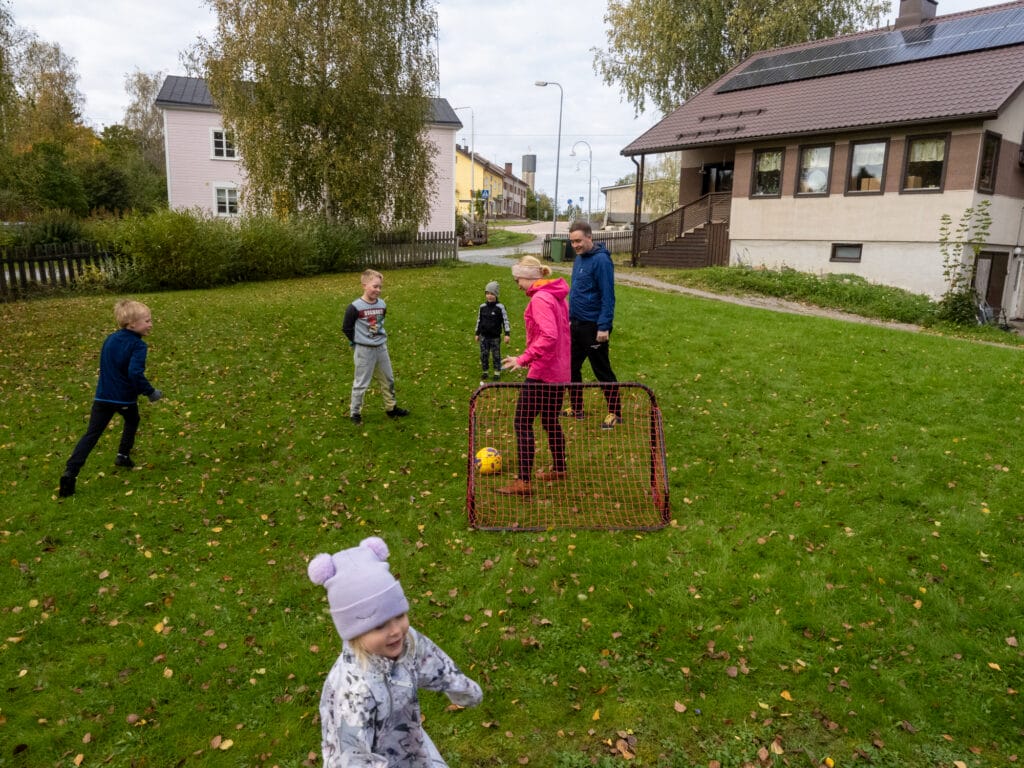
x: 535, y: 398
x: 490, y: 349
x: 585, y: 347
x: 99, y: 418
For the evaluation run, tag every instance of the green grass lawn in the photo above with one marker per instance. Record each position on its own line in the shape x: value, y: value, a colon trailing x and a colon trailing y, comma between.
x: 842, y: 576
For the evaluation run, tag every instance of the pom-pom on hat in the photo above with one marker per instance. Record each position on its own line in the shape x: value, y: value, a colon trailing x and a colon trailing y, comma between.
x: 360, y: 588
x: 492, y: 287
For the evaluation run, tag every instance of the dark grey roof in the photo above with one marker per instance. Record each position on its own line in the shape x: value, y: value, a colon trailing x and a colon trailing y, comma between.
x: 184, y: 92
x: 191, y: 92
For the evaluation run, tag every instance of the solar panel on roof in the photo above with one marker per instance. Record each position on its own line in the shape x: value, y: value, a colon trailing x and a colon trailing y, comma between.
x: 927, y: 41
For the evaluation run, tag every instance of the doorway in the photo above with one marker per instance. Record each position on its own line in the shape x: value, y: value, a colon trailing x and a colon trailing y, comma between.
x: 716, y: 177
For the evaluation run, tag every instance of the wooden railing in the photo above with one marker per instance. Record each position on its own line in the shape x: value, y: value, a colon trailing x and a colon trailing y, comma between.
x: 704, y: 210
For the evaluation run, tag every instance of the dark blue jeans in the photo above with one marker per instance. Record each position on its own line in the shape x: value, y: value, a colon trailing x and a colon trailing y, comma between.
x: 99, y: 418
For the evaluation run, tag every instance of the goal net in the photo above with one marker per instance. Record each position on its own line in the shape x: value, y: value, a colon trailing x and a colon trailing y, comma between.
x: 615, y: 474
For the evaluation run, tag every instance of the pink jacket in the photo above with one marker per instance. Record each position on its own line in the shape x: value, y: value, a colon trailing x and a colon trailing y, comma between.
x: 546, y: 319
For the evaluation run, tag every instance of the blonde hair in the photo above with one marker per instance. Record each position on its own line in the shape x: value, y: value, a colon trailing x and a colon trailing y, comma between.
x: 127, y: 311
x: 368, y: 275
x: 363, y: 656
x: 530, y: 268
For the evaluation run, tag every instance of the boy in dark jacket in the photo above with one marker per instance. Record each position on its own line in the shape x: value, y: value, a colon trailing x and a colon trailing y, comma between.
x: 490, y: 322
x: 122, y: 380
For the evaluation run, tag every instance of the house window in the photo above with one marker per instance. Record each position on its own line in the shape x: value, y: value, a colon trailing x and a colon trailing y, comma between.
x: 989, y: 162
x: 867, y: 166
x: 815, y: 170
x: 846, y: 252
x: 223, y: 144
x: 226, y: 201
x: 767, y: 180
x: 926, y: 163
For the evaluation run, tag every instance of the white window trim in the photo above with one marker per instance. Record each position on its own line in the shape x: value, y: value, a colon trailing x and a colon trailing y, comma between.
x: 213, y: 144
x: 227, y: 186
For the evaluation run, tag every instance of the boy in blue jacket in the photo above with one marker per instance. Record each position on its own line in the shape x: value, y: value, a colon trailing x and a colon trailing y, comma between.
x: 122, y: 380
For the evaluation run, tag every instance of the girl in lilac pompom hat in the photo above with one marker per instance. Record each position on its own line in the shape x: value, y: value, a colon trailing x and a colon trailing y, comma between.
x: 369, y: 707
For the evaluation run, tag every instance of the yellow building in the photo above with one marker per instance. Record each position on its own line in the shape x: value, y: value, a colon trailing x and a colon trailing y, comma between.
x: 500, y: 192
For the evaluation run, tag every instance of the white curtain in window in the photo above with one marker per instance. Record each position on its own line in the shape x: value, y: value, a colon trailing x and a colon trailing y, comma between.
x: 869, y: 154
x: 817, y: 157
x: 769, y: 161
x: 927, y: 150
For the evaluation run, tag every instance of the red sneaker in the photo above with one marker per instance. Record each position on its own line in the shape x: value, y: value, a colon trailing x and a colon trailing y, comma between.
x: 518, y: 488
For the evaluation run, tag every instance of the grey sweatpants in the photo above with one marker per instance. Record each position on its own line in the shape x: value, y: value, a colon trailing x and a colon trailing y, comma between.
x: 372, y: 363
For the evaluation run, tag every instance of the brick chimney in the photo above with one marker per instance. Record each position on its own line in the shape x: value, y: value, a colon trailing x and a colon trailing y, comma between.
x: 508, y: 169
x: 913, y: 12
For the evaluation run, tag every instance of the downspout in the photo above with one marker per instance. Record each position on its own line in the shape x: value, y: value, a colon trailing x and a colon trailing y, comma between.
x: 637, y: 207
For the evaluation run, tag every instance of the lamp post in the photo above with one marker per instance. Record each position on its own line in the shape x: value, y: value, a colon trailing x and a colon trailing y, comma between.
x: 558, y: 150
x: 472, y: 165
x: 590, y: 169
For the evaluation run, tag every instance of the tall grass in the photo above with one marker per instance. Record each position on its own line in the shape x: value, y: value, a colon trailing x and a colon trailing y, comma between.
x: 842, y: 577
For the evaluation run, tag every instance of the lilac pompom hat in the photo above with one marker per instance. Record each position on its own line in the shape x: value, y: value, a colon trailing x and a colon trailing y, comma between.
x: 361, y: 591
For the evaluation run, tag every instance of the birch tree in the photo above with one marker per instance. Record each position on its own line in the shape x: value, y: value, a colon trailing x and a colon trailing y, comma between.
x: 661, y: 52
x: 328, y: 101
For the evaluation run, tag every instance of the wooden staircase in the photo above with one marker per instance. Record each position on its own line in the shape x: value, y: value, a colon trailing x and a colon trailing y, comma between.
x: 694, y: 236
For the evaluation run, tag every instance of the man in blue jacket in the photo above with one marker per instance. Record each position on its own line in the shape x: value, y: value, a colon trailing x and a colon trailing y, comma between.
x: 591, y: 313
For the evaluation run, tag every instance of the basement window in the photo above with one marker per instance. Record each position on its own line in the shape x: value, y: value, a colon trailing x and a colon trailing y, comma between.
x: 847, y: 252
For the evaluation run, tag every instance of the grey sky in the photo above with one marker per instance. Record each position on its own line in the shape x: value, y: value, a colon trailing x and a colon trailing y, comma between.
x: 491, y: 53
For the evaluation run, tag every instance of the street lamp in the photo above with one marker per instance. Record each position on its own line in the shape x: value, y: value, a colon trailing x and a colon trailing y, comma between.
x: 472, y: 166
x: 590, y: 169
x: 558, y: 150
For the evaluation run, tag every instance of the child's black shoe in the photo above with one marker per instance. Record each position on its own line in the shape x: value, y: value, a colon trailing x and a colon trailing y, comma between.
x: 67, y: 486
x: 122, y: 460
x: 395, y: 412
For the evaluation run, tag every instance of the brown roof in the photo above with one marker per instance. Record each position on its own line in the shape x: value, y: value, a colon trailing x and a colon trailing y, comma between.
x: 964, y: 86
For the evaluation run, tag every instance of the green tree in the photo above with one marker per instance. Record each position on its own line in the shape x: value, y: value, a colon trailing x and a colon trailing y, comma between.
x: 661, y: 185
x: 538, y: 206
x: 665, y: 51
x: 328, y: 101
x: 50, y: 108
x: 8, y: 94
x: 142, y: 116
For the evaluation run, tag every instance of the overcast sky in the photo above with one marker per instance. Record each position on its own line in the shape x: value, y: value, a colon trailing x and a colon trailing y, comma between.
x: 491, y: 53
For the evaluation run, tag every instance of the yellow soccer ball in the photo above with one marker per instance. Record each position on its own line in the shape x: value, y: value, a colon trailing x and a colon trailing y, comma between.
x: 488, y: 461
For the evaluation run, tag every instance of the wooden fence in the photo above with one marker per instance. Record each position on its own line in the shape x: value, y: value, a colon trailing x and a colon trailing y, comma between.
x: 53, y: 264
x: 615, y: 242
x: 60, y: 265
x: 390, y: 251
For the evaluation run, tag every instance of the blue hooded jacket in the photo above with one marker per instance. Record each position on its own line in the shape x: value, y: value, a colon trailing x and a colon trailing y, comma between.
x: 592, y: 298
x: 123, y: 369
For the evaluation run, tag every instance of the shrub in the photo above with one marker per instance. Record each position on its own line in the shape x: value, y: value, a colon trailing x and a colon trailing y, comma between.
x: 178, y: 250
x: 53, y: 226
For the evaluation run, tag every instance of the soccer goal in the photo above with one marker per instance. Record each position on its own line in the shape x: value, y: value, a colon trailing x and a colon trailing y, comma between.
x: 615, y: 478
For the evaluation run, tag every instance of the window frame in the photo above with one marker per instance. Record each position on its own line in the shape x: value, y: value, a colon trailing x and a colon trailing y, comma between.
x: 753, y: 173
x: 851, y: 259
x: 906, y: 164
x: 230, y: 191
x: 222, y: 136
x: 849, y: 167
x: 800, y: 170
x: 980, y: 186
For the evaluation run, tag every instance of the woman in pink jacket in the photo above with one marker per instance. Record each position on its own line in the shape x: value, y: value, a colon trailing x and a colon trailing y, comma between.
x: 547, y: 358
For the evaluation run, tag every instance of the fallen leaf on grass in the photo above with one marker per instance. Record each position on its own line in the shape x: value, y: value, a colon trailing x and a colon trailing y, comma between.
x: 679, y: 707
x: 786, y: 695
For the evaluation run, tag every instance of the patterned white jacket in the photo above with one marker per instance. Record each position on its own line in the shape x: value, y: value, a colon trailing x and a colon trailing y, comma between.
x: 370, y: 713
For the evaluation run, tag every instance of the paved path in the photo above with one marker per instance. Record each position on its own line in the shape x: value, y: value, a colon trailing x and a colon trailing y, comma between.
x: 505, y: 257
